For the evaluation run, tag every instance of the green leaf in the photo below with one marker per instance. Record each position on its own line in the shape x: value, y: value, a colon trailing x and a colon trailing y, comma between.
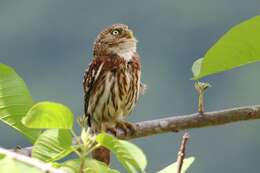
x: 128, y: 154
x: 49, y: 115
x: 239, y: 46
x: 53, y: 144
x: 8, y: 165
x: 196, y: 67
x: 173, y: 167
x: 15, y: 101
x: 91, y: 166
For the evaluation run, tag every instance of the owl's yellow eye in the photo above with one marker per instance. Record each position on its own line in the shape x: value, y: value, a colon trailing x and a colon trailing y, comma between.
x: 115, y: 32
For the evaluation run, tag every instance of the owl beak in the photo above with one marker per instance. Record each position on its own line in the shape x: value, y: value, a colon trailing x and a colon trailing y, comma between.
x: 130, y: 35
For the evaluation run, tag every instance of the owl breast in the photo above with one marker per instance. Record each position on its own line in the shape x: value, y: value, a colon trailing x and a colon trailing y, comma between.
x: 116, y: 93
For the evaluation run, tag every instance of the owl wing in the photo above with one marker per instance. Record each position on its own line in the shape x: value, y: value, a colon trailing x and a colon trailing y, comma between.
x: 90, y: 77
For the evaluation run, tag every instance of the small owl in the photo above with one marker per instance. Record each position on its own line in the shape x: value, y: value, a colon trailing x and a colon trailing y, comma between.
x: 112, y: 82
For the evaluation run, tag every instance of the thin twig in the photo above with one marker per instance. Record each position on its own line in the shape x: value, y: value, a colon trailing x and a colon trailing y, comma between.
x: 181, y: 153
x: 178, y: 123
x: 47, y: 168
x: 201, y: 88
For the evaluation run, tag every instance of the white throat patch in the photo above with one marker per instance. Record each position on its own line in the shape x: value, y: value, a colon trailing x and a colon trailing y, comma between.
x: 125, y: 51
x: 127, y: 55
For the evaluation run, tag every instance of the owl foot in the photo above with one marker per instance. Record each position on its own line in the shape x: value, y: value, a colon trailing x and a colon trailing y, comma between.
x: 127, y: 127
x: 111, y: 130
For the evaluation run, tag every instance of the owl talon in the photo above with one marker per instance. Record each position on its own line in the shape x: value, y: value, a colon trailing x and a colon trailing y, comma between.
x: 112, y: 130
x: 127, y: 127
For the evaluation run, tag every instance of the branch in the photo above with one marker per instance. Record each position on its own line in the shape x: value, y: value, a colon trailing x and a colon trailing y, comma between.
x: 44, y: 167
x: 182, y: 122
x: 181, y: 153
x: 178, y: 123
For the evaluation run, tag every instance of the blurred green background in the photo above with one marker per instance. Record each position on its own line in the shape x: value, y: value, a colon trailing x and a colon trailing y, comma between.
x: 49, y: 43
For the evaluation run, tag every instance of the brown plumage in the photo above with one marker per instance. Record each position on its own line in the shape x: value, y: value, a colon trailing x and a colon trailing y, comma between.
x: 112, y: 83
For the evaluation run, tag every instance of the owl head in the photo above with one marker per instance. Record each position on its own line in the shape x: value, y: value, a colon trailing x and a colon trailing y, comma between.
x: 117, y: 38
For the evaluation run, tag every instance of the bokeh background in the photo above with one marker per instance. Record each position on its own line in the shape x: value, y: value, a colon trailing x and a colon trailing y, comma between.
x: 49, y: 43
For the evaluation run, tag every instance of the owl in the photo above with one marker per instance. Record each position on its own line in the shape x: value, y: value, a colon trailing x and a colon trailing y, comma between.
x: 112, y: 83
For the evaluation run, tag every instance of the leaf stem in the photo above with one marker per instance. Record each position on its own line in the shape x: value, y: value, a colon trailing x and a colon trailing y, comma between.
x: 201, y: 88
x: 82, y: 163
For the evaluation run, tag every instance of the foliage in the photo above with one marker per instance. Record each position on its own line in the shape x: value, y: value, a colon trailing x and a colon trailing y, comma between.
x: 52, y: 145
x: 49, y: 115
x: 15, y: 101
x: 239, y: 46
x: 130, y: 156
x: 93, y: 166
x: 173, y: 167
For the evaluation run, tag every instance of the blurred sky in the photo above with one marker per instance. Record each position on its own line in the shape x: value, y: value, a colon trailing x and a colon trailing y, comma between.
x: 49, y: 44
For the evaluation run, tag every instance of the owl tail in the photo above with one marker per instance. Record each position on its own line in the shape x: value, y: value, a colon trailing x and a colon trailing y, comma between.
x: 102, y: 154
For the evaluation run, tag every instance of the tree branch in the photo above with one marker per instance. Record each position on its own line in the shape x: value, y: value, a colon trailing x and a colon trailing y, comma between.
x: 178, y: 123
x: 182, y: 122
x: 44, y: 167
